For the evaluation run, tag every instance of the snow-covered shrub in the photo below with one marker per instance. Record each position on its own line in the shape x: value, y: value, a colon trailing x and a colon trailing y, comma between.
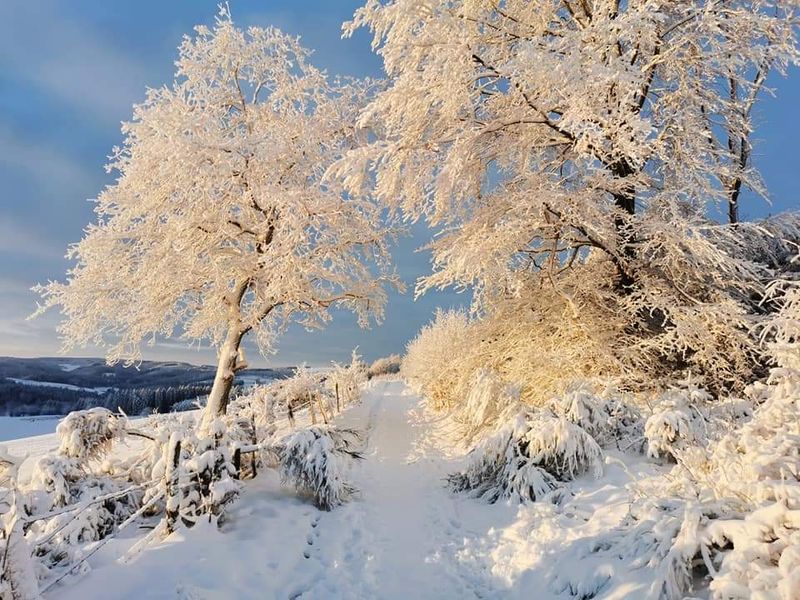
x: 763, y: 559
x: 88, y: 434
x: 490, y: 400
x: 582, y: 406
x: 529, y: 457
x: 252, y: 418
x: 678, y: 422
x: 18, y: 579
x: 602, y: 413
x: 314, y: 460
x: 55, y: 475
x: 387, y: 365
x: 346, y: 381
x: 99, y: 501
x: 728, y: 515
x: 437, y: 361
x: 18, y: 576
x: 302, y: 387
x: 358, y: 365
x: 205, y: 474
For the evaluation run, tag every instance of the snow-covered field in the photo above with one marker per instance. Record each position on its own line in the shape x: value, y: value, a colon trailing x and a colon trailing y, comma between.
x: 405, y: 535
x: 63, y: 386
x: 14, y: 428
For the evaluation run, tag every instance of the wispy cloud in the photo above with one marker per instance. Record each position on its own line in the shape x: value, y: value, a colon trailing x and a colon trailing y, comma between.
x: 40, y: 43
x: 18, y: 240
x: 50, y: 169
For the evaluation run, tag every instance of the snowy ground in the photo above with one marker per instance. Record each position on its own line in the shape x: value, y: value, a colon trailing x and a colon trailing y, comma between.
x: 405, y: 536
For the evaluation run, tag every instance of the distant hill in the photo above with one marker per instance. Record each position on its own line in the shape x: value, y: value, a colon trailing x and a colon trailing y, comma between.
x: 37, y: 386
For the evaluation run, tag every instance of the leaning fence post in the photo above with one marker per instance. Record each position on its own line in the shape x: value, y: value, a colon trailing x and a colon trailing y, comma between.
x: 237, y: 463
x: 171, y: 475
x: 254, y: 441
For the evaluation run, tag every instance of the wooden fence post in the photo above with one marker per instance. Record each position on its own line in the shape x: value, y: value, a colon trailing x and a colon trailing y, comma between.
x: 321, y: 408
x: 338, y: 407
x: 173, y: 488
x: 254, y: 441
x: 237, y: 463
x: 311, y: 410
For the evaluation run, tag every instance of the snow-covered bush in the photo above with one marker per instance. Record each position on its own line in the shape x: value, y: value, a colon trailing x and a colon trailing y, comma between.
x: 388, y: 365
x: 728, y: 515
x: 529, y: 457
x: 88, y: 434
x: 315, y: 460
x: 96, y: 492
x: 600, y: 410
x: 55, y: 475
x: 253, y: 415
x: 206, y: 479
x: 17, y: 573
x: 346, y: 382
x: 301, y: 387
x: 582, y: 406
x: 678, y: 422
x: 343, y: 382
x: 759, y: 554
x: 437, y: 361
x: 202, y: 478
x: 490, y: 401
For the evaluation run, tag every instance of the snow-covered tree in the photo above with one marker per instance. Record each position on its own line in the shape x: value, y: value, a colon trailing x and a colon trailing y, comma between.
x: 569, y: 153
x: 220, y: 222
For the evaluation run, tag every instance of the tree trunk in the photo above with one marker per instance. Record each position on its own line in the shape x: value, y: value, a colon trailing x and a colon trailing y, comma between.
x: 223, y: 380
x: 625, y: 201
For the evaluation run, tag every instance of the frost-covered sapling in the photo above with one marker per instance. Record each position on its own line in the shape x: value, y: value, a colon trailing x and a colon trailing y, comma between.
x: 343, y: 382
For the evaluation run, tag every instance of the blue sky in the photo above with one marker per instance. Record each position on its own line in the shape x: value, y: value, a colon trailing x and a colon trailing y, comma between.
x: 69, y: 73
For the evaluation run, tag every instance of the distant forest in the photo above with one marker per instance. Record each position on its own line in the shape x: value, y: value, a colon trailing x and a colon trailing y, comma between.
x: 56, y: 386
x: 28, y: 400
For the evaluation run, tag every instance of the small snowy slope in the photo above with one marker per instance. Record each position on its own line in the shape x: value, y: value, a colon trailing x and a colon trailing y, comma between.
x: 405, y: 535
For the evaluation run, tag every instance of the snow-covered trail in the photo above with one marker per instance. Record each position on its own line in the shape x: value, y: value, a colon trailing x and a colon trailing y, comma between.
x: 405, y: 519
x: 394, y: 540
x: 404, y: 536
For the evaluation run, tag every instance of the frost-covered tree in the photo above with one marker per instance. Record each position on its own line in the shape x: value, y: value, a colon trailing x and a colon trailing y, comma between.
x: 570, y: 151
x: 220, y: 222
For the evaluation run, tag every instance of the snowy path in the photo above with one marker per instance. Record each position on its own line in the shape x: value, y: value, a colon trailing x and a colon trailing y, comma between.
x: 405, y: 536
